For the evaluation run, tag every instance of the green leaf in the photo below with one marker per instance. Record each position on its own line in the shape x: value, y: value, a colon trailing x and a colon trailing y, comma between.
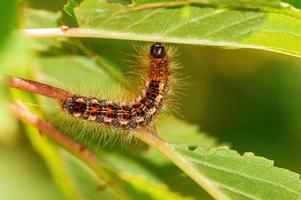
x: 8, y: 11
x: 48, y: 151
x: 178, y: 131
x: 24, y: 175
x: 40, y: 18
x: 159, y: 175
x: 69, y: 7
x: 295, y: 3
x: 241, y: 177
x: 34, y: 18
x: 194, y: 24
x: 9, y: 135
x: 88, y: 185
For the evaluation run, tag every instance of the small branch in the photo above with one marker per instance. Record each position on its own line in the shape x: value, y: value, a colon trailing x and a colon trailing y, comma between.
x: 76, y: 149
x: 39, y: 88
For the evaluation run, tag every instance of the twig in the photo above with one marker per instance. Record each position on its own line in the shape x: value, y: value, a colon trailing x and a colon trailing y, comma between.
x: 36, y: 87
x: 76, y: 149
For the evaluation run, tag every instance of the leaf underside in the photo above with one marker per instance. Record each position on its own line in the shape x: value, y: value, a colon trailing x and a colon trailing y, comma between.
x: 195, y: 24
x: 242, y: 177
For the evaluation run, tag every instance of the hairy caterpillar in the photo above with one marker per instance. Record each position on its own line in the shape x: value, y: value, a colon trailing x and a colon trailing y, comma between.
x: 93, y: 119
x: 128, y: 115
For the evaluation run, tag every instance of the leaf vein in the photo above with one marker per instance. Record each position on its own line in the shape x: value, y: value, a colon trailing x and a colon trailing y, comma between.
x: 193, y: 20
x: 243, y: 175
x: 223, y: 28
x: 150, y: 14
x: 237, y: 191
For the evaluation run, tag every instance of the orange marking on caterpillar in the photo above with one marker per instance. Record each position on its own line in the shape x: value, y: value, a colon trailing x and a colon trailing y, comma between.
x: 94, y: 110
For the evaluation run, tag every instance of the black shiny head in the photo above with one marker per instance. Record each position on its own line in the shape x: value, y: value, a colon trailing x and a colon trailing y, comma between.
x: 157, y: 50
x: 74, y: 106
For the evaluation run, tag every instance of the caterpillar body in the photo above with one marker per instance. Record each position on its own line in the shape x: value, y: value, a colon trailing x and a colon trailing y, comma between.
x: 134, y: 114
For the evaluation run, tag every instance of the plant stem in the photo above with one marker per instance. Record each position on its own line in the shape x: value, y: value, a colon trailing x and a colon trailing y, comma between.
x: 166, y: 149
x: 76, y: 149
x: 38, y: 88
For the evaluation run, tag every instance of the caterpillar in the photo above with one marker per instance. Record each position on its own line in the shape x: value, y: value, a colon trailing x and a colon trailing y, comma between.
x: 135, y: 114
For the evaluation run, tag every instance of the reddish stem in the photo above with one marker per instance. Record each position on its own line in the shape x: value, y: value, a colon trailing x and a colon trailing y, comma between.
x: 80, y: 151
x: 39, y: 88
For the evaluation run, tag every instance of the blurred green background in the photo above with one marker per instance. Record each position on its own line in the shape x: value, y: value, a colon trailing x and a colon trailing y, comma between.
x: 249, y: 99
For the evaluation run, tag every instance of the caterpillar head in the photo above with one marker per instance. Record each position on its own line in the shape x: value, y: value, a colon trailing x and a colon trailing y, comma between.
x: 75, y: 106
x: 157, y: 50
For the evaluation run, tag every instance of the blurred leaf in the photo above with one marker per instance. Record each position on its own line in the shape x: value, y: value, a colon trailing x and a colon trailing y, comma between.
x: 178, y: 131
x: 24, y: 176
x: 8, y: 135
x: 17, y: 57
x: 69, y: 7
x: 194, y: 25
x: 295, y: 3
x: 136, y: 182
x: 48, y: 151
x: 34, y: 18
x: 86, y: 181
x: 155, y: 190
x: 8, y: 11
x: 18, y: 60
x: 241, y: 177
x: 13, y: 60
x: 149, y: 172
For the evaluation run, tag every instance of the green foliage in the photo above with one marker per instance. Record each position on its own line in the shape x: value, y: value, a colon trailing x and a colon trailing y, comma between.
x: 242, y: 177
x: 69, y: 7
x: 144, y: 173
x: 295, y: 3
x: 8, y: 11
x: 195, y: 25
